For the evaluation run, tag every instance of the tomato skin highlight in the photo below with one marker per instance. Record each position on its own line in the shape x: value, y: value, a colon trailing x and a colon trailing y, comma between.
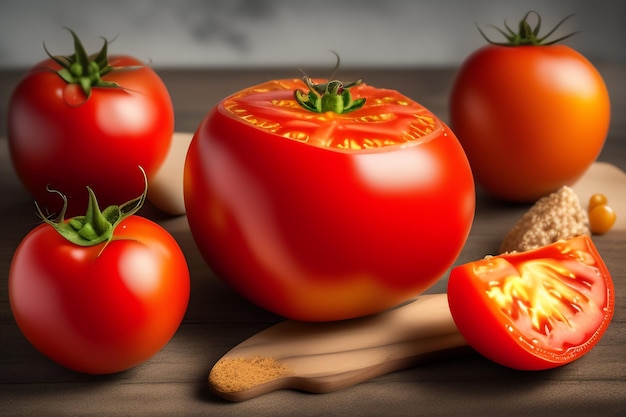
x: 67, y: 145
x: 317, y: 233
x: 99, y: 310
x: 575, y: 280
x: 530, y: 118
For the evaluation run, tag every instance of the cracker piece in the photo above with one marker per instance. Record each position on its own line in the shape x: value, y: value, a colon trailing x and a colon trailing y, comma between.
x: 554, y: 217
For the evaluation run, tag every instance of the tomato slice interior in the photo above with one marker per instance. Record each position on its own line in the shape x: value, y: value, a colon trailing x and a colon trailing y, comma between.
x: 552, y: 303
x: 273, y: 108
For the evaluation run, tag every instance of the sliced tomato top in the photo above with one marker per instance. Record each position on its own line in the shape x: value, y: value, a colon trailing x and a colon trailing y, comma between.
x: 535, y: 309
x: 387, y: 119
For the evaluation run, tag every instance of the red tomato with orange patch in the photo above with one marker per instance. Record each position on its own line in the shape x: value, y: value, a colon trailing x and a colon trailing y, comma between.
x: 531, y: 117
x: 323, y: 216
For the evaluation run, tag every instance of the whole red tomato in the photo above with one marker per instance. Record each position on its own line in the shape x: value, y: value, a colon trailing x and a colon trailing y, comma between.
x: 99, y: 293
x: 325, y: 205
x: 88, y: 120
x: 531, y: 117
x: 537, y: 309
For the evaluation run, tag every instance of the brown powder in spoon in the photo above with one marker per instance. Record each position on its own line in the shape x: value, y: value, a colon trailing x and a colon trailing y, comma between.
x: 240, y: 374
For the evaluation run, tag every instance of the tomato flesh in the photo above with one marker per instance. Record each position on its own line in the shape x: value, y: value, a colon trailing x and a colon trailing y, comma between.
x: 537, y: 309
x: 325, y: 216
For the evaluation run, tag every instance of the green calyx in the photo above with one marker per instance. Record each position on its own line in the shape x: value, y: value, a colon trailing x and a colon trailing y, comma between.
x: 334, y: 96
x: 95, y: 226
x: 84, y: 70
x: 527, y: 35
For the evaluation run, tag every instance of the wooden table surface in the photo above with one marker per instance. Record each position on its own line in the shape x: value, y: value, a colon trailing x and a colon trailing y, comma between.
x: 174, y: 382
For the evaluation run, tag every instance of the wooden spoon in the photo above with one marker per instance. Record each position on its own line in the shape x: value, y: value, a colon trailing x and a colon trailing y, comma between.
x: 328, y: 356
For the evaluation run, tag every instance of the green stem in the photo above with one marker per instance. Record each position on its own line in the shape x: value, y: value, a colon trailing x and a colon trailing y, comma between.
x: 95, y: 226
x: 333, y: 96
x: 526, y: 34
x: 82, y: 69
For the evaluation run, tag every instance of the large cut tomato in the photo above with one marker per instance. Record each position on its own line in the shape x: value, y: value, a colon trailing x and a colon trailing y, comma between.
x: 319, y: 214
x: 79, y: 120
x: 531, y: 117
x: 537, y: 309
x: 99, y: 293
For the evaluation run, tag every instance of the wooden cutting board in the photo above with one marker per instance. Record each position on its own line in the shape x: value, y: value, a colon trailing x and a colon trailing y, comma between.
x: 609, y: 180
x: 165, y: 190
x: 325, y: 357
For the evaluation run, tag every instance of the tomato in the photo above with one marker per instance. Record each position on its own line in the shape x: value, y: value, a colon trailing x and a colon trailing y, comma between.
x: 62, y: 136
x: 597, y: 199
x: 531, y: 118
x: 601, y: 219
x: 601, y: 216
x: 537, y: 309
x: 99, y: 303
x: 320, y: 215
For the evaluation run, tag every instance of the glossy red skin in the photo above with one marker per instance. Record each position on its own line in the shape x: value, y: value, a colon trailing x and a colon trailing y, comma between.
x: 495, y: 334
x: 99, y: 313
x: 99, y: 143
x: 530, y: 118
x: 318, y: 234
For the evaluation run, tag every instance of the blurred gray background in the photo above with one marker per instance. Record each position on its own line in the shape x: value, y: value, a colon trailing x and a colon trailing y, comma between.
x: 256, y: 33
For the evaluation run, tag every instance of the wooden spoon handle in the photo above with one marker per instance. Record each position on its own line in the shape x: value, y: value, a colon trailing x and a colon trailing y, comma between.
x: 325, y: 357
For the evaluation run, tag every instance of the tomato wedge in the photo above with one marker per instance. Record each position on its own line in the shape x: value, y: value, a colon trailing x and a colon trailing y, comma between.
x: 537, y: 309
